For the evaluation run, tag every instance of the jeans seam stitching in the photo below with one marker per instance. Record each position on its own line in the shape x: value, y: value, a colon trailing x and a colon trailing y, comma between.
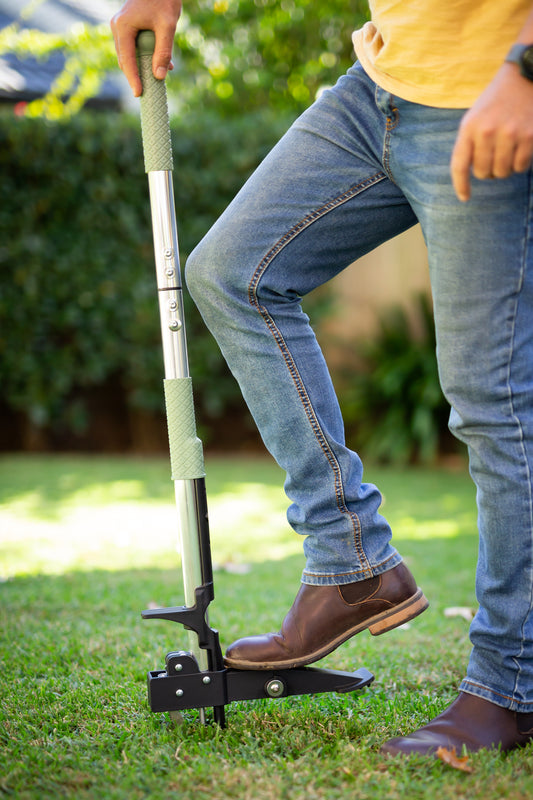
x: 304, y: 223
x: 391, y: 123
x: 467, y: 682
x: 520, y: 427
x: 342, y: 574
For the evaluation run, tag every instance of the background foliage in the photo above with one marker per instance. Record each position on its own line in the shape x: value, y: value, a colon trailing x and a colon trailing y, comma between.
x: 76, y: 265
x: 77, y: 283
x: 252, y: 53
x: 230, y: 55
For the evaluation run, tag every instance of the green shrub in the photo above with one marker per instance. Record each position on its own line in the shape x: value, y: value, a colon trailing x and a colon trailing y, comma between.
x: 77, y: 282
x: 393, y: 406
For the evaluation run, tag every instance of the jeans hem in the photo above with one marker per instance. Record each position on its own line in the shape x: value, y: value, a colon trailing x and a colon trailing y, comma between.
x: 498, y: 698
x: 342, y: 578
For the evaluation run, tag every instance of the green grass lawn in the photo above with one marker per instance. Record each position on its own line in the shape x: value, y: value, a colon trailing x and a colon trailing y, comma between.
x: 87, y: 543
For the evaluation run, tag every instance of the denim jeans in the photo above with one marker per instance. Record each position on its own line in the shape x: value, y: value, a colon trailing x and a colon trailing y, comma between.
x: 358, y: 167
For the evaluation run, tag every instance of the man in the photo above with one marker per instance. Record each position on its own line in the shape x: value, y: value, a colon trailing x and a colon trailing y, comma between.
x: 434, y: 124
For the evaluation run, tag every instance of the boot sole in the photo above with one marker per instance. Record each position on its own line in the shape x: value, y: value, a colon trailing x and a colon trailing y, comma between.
x: 380, y: 623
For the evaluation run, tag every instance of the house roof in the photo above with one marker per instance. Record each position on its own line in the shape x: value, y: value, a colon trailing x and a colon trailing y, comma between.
x: 22, y: 80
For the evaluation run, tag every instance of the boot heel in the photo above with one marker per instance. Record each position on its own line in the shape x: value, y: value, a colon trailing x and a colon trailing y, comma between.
x: 401, y: 614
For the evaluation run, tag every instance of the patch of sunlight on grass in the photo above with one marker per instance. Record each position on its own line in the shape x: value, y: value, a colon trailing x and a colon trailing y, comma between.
x: 109, y: 492
x: 248, y: 523
x: 59, y: 514
x: 415, y: 530
x: 84, y: 537
x: 32, y: 504
x: 105, y: 526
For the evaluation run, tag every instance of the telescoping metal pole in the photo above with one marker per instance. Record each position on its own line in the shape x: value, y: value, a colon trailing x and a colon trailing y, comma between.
x: 186, y: 452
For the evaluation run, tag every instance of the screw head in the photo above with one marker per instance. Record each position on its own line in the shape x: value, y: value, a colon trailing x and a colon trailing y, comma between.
x: 179, y: 692
x: 206, y: 679
x: 275, y: 688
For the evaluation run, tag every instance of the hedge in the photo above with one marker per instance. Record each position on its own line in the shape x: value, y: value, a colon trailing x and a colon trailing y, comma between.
x: 77, y: 282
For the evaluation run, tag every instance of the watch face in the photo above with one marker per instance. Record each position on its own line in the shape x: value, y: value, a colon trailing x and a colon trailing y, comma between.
x: 527, y: 62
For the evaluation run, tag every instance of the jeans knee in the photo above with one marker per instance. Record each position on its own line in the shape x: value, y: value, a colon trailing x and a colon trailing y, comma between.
x: 217, y: 277
x: 197, y: 275
x: 205, y: 277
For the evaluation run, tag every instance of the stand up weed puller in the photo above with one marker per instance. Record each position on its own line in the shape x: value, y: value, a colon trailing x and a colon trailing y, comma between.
x: 197, y: 677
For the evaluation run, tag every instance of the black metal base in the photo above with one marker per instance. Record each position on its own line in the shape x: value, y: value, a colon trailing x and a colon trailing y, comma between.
x: 183, y: 686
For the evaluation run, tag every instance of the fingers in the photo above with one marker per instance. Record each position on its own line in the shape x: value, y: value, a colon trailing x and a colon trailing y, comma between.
x: 495, y: 137
x: 462, y: 157
x: 486, y: 155
x: 125, y: 37
x: 523, y: 155
x: 161, y: 16
x: 162, y: 59
x: 481, y: 150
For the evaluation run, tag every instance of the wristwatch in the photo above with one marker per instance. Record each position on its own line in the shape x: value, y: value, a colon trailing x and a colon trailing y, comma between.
x: 522, y: 54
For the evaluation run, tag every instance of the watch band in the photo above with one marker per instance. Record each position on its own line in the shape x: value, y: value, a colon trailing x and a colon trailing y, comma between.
x: 516, y: 56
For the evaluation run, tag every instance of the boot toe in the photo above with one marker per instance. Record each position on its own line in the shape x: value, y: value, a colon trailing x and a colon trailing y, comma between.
x: 253, y: 651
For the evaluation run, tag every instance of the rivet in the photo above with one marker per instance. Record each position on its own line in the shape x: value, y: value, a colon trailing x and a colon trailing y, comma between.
x: 274, y: 688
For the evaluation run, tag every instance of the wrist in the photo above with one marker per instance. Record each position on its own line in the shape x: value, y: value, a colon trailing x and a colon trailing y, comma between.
x: 522, y: 56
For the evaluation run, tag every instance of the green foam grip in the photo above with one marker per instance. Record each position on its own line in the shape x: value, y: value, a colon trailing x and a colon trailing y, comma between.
x: 155, y: 124
x: 186, y: 451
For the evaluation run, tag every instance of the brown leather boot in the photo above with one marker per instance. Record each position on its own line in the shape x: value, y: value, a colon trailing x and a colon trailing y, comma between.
x: 470, y: 721
x: 322, y: 617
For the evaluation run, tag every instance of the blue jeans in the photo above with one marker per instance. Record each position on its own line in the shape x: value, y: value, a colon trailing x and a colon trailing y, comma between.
x: 355, y: 169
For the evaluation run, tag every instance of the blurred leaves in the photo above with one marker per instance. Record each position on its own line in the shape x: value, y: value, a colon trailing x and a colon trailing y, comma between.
x: 244, y: 54
x: 89, y: 56
x: 232, y: 55
x: 76, y: 265
x: 78, y: 301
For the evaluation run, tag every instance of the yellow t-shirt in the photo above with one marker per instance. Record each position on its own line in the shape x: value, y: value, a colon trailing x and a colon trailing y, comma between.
x: 438, y: 52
